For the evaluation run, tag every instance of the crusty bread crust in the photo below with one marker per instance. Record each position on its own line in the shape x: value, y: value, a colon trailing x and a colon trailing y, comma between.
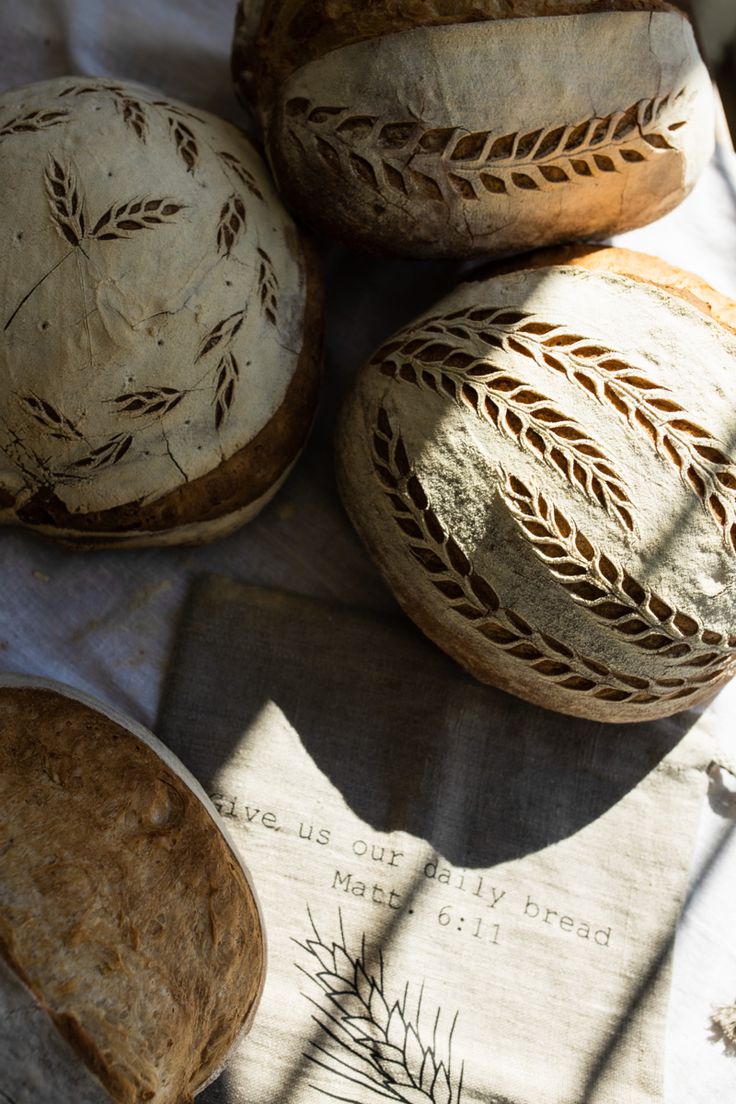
x: 625, y: 262
x: 242, y: 479
x: 122, y: 906
x: 294, y: 32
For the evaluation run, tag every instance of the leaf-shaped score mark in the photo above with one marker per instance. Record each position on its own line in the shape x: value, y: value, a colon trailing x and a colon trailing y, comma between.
x: 437, y: 163
x: 32, y: 121
x: 134, y: 115
x: 42, y: 411
x: 245, y: 176
x: 231, y: 224
x: 224, y: 331
x: 152, y: 400
x: 119, y: 222
x: 111, y: 452
x: 66, y: 202
x: 228, y: 372
x: 268, y: 286
x: 186, y: 143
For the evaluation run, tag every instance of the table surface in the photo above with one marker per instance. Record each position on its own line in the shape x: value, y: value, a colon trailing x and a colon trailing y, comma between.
x: 104, y: 622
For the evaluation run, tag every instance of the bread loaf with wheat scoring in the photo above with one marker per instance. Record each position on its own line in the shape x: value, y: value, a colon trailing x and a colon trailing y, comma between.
x: 543, y: 467
x: 445, y: 130
x: 160, y: 315
x: 131, y: 944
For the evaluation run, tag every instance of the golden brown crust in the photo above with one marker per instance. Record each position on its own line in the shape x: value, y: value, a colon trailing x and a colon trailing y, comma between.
x: 625, y: 262
x: 122, y: 906
x: 295, y: 32
x: 240, y: 480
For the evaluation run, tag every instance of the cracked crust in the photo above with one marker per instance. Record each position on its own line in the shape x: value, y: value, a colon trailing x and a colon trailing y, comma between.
x: 122, y: 907
x: 217, y: 503
x: 161, y: 319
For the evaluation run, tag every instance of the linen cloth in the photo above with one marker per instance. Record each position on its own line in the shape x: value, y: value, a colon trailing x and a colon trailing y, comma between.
x: 521, y: 873
x: 105, y: 622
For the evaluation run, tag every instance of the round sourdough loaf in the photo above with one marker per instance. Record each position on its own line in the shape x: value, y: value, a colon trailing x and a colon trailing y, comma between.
x: 543, y: 468
x: 159, y: 362
x: 456, y: 128
x: 131, y: 945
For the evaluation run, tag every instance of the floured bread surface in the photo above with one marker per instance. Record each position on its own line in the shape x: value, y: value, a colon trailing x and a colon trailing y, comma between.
x: 160, y: 317
x: 493, y: 135
x: 544, y: 469
x: 122, y: 907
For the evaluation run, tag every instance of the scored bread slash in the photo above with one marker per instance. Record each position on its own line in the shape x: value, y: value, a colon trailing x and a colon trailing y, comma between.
x: 543, y: 467
x: 132, y: 946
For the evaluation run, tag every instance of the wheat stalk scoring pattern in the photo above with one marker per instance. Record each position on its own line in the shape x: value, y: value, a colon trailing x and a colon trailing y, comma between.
x: 406, y: 157
x: 449, y: 569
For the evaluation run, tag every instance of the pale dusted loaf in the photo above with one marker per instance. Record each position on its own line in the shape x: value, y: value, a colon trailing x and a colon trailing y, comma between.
x: 459, y: 128
x: 160, y: 315
x: 543, y: 467
x: 131, y: 944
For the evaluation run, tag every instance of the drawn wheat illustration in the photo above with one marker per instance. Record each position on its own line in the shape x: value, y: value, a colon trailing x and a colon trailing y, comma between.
x: 370, y: 1038
x: 617, y: 382
x: 468, y: 594
x: 595, y: 581
x: 506, y: 401
x: 407, y: 157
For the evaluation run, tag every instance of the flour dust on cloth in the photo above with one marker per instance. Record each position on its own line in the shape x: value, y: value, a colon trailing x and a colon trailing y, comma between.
x: 466, y: 898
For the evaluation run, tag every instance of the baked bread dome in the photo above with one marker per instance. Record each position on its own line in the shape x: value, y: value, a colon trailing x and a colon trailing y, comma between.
x: 131, y: 944
x: 161, y: 319
x: 463, y: 127
x: 543, y: 467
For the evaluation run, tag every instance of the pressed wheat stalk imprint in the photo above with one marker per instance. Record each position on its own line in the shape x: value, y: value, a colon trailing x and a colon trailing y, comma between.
x: 369, y: 1038
x: 468, y: 594
x: 600, y: 584
x: 453, y: 369
x: 617, y: 382
x: 408, y: 158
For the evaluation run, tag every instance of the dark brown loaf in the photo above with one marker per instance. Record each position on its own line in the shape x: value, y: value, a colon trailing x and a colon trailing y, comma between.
x: 122, y: 907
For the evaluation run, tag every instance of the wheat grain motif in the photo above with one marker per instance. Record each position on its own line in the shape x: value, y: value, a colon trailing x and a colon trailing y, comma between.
x: 450, y: 571
x: 56, y: 423
x: 244, y: 175
x: 33, y: 121
x: 606, y: 589
x: 408, y: 158
x: 268, y: 286
x: 66, y: 202
x: 150, y: 400
x: 231, y: 224
x: 506, y: 401
x: 374, y: 1041
x: 226, y: 378
x: 620, y: 384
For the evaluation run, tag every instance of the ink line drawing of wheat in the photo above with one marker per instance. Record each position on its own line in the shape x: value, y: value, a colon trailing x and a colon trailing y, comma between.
x: 505, y: 400
x: 372, y: 1040
x: 449, y: 569
x: 595, y: 581
x: 407, y: 157
x: 614, y: 381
